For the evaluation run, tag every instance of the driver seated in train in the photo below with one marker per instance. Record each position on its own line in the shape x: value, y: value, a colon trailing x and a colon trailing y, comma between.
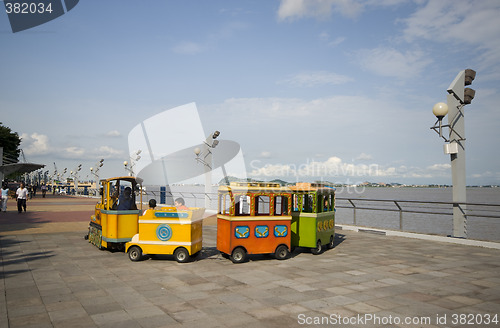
x: 125, y: 200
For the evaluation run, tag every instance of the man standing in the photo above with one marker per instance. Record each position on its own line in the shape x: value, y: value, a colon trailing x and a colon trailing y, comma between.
x: 22, y: 196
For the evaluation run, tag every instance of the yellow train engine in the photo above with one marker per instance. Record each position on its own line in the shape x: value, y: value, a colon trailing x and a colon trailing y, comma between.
x: 116, y: 217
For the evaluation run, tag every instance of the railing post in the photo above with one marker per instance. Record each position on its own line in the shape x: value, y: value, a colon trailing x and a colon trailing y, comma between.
x: 400, y: 216
x: 353, y: 212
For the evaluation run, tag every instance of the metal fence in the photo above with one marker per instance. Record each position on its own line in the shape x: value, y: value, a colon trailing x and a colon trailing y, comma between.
x: 419, y: 216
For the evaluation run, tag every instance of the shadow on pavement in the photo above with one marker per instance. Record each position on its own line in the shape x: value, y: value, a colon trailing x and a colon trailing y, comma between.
x: 12, y: 260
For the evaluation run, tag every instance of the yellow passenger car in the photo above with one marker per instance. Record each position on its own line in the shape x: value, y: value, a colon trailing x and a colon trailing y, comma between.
x: 168, y: 231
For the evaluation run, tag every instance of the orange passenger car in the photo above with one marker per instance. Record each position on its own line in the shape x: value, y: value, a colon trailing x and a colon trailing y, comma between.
x: 254, y: 218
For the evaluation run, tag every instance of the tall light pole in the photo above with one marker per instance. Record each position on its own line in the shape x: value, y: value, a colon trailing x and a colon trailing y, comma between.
x: 133, y: 161
x: 205, y: 157
x: 458, y: 97
x: 74, y: 174
x: 95, y: 172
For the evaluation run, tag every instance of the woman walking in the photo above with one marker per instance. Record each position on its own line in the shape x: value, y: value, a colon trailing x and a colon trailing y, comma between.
x: 22, y: 196
x: 5, y: 196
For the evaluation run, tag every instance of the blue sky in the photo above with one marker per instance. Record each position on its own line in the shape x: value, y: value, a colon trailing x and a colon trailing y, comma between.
x: 334, y: 90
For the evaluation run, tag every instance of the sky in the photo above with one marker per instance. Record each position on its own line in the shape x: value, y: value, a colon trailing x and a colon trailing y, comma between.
x: 333, y: 90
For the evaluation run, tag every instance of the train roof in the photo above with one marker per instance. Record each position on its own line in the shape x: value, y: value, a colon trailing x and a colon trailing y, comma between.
x: 308, y: 187
x: 126, y: 178
x: 276, y: 187
x: 254, y: 187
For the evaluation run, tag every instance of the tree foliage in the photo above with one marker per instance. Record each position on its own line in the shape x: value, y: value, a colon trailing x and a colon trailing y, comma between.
x: 10, y: 142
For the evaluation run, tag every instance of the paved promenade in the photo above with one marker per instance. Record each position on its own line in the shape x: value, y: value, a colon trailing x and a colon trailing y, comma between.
x: 52, y: 277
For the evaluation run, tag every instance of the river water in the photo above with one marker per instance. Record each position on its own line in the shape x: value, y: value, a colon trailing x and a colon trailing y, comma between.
x: 477, y: 227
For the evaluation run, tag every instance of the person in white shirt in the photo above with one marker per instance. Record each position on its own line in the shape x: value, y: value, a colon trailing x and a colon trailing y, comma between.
x: 5, y: 197
x: 22, y: 196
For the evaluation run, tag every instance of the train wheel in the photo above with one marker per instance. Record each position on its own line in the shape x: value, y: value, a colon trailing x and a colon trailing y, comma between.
x: 331, y: 244
x: 135, y: 253
x: 181, y: 255
x: 281, y: 252
x: 318, y: 248
x: 239, y: 255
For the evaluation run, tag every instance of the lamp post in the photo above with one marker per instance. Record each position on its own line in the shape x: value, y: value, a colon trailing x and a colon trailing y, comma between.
x: 205, y: 157
x: 95, y: 172
x: 74, y: 174
x: 458, y: 97
x: 133, y: 161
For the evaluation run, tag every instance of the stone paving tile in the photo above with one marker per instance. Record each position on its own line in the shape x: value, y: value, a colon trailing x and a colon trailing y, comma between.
x: 51, y: 279
x: 265, y: 313
x: 75, y: 312
x: 106, y: 318
x: 31, y: 320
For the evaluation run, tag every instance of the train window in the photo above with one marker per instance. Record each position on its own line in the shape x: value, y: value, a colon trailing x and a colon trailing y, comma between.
x: 331, y: 200
x: 105, y: 196
x: 262, y: 204
x: 224, y: 203
x: 308, y: 203
x: 242, y: 205
x: 327, y: 205
x: 227, y: 204
x: 296, y: 201
x: 280, y: 205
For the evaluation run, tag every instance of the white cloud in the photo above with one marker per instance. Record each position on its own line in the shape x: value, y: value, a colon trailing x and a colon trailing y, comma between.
x: 265, y: 154
x: 335, y: 169
x: 38, y: 146
x: 488, y: 175
x: 439, y: 167
x: 463, y: 23
x: 109, y: 152
x: 35, y: 144
x: 316, y: 78
x: 188, y: 48
x: 113, y: 133
x: 73, y: 152
x: 325, y: 37
x: 320, y: 9
x: 392, y: 62
x: 345, y: 109
x: 364, y: 157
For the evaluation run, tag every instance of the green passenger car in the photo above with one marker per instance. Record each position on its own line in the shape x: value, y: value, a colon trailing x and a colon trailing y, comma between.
x: 313, y: 216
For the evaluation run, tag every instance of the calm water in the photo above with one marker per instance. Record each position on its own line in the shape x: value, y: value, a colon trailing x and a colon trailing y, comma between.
x: 442, y: 224
x: 478, y: 227
x: 474, y: 195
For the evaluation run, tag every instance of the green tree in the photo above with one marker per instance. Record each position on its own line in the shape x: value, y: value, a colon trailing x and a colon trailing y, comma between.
x: 10, y: 142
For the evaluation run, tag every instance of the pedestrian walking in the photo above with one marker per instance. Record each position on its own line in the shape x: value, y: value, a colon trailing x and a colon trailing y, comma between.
x: 44, y: 190
x: 5, y: 196
x: 22, y: 196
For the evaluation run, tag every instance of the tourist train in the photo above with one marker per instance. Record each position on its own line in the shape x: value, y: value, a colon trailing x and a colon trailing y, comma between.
x: 252, y: 218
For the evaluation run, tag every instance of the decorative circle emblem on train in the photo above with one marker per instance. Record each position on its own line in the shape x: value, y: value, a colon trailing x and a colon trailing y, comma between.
x: 280, y: 231
x: 320, y: 226
x: 241, y: 232
x: 261, y: 231
x: 164, y: 232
